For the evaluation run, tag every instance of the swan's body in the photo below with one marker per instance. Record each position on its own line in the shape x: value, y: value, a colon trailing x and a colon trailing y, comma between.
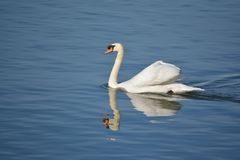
x: 159, y: 77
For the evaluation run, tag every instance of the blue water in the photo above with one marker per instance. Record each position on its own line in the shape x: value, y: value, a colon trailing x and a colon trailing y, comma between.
x: 53, y: 80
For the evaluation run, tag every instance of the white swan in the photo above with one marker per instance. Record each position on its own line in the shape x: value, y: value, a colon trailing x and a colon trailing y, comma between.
x: 159, y: 77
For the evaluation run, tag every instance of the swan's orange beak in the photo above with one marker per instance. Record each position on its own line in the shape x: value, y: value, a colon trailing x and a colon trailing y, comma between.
x: 110, y: 50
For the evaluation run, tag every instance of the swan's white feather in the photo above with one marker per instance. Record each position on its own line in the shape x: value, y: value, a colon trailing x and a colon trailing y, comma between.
x: 177, y: 88
x: 159, y: 77
x: 158, y: 73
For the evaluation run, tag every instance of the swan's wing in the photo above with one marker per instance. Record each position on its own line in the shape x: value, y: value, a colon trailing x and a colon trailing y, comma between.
x: 158, y: 73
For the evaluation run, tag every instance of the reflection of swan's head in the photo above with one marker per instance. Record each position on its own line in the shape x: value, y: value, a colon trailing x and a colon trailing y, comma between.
x: 114, y: 47
x: 105, y: 122
x: 111, y: 123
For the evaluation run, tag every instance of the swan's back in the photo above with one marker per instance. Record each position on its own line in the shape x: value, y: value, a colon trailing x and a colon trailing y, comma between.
x: 158, y: 73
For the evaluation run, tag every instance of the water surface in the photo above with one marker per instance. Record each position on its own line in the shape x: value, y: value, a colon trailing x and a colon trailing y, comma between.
x: 53, y: 77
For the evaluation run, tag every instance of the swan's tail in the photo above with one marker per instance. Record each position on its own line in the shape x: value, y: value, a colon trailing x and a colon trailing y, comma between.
x: 182, y: 88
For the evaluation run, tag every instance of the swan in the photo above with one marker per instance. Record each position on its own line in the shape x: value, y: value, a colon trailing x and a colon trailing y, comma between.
x: 159, y: 77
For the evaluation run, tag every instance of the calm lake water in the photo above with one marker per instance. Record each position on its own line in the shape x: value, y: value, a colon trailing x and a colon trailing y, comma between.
x: 53, y: 80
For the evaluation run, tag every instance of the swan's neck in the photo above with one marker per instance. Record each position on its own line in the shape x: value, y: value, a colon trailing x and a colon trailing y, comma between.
x: 112, y: 82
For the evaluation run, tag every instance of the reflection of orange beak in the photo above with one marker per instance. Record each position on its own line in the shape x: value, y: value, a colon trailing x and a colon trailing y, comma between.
x: 105, y: 121
x: 108, y: 51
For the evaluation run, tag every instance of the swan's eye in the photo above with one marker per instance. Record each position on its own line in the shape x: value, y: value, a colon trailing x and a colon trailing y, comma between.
x: 110, y: 47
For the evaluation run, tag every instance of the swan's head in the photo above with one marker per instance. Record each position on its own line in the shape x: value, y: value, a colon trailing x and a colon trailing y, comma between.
x: 114, y: 47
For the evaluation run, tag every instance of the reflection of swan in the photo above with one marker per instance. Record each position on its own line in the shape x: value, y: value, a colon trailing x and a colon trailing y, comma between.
x: 155, y: 105
x: 151, y: 105
x: 113, y: 123
x: 159, y: 77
